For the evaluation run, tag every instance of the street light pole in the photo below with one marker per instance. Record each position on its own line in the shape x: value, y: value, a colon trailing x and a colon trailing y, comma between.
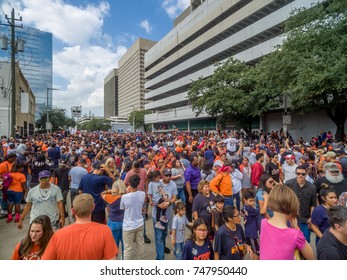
x: 47, y: 110
x: 133, y: 118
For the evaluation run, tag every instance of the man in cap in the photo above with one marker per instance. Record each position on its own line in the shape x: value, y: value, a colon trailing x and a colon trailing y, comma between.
x: 170, y: 190
x: 44, y: 199
x: 333, y: 178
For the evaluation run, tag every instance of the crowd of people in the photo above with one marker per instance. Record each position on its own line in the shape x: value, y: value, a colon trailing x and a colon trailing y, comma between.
x: 217, y: 195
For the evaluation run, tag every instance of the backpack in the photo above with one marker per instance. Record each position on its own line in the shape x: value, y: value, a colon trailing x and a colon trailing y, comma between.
x: 343, y: 199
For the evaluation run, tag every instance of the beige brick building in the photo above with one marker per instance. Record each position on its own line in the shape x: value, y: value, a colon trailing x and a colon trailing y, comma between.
x: 131, y: 78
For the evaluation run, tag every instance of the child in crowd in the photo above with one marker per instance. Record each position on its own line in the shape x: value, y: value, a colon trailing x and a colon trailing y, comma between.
x: 157, y: 197
x: 251, y: 216
x: 277, y: 240
x: 217, y: 216
x: 178, y: 229
x: 198, y: 247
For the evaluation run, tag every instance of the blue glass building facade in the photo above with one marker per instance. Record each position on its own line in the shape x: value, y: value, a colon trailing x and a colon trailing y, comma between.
x: 36, y: 63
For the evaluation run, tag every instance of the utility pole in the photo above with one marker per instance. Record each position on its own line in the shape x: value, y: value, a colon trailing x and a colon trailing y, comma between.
x: 48, y: 125
x: 14, y: 44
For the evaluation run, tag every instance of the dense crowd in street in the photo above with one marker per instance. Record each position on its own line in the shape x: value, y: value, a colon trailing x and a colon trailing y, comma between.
x: 257, y: 196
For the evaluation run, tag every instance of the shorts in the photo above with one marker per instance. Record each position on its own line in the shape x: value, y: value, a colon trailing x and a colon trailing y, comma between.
x: 14, y: 197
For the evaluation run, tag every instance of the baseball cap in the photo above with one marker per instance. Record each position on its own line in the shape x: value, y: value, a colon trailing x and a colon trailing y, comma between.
x: 304, y: 157
x: 330, y: 154
x: 167, y: 171
x: 44, y: 174
x: 330, y: 166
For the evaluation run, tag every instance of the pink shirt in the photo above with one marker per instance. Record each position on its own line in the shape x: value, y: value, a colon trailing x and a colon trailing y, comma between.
x: 143, y: 176
x: 279, y: 243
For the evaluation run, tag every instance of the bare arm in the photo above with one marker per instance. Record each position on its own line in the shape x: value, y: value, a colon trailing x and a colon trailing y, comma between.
x: 26, y: 210
x: 61, y: 209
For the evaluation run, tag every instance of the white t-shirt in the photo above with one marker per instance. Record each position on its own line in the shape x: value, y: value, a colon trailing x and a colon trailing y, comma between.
x: 289, y: 171
x: 44, y: 202
x: 231, y: 144
x: 132, y: 204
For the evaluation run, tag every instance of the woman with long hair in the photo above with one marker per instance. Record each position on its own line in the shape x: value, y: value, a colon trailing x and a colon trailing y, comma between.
x: 319, y: 219
x: 230, y: 241
x: 34, y: 244
x: 116, y: 215
x: 198, y: 247
x: 266, y: 184
x: 15, y: 191
x: 111, y: 165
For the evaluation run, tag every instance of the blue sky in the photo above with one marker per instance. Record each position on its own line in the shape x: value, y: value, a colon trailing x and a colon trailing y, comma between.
x: 89, y: 37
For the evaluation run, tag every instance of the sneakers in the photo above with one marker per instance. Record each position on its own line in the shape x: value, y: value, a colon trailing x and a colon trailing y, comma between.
x: 9, y: 219
x: 16, y: 220
x: 159, y: 225
x: 164, y: 219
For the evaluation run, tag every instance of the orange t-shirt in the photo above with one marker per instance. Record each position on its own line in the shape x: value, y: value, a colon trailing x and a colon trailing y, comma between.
x: 17, y: 180
x: 90, y: 241
x: 223, y: 182
x: 5, y: 167
x: 33, y: 255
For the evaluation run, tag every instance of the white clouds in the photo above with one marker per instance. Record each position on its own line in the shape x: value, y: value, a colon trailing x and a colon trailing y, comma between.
x: 174, y: 7
x: 146, y: 26
x: 85, y: 68
x: 88, y: 56
x: 70, y: 24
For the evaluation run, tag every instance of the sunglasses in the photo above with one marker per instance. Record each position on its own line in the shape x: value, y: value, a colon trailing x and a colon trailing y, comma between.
x: 300, y: 174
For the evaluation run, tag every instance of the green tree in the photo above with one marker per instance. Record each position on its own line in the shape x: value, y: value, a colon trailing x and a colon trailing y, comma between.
x: 227, y: 94
x: 311, y: 64
x: 96, y: 124
x: 57, y: 118
x: 139, y: 119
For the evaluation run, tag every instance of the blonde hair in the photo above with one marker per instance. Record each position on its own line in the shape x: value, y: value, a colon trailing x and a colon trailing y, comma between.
x: 107, y: 164
x: 118, y: 188
x: 282, y: 199
x: 83, y: 205
x: 201, y: 184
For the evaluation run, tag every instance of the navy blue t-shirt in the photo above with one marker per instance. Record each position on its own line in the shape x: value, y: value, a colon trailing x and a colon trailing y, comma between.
x: 192, y: 251
x: 230, y: 244
x: 94, y: 185
x: 251, y: 221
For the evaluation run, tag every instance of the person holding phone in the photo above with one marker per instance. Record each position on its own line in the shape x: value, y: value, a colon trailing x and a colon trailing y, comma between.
x: 44, y: 199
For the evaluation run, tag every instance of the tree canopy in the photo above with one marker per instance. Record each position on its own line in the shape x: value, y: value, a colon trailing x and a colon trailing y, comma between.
x: 310, y: 67
x: 139, y: 119
x: 57, y: 118
x: 96, y: 124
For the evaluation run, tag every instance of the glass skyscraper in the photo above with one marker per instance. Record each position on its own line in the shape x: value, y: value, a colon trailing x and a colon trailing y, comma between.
x: 35, y: 63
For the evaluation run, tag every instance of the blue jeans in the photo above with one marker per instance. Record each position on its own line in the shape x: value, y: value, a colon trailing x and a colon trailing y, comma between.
x: 160, y: 237
x: 228, y: 201
x: 178, y: 250
x: 306, y: 231
x: 117, y: 232
x: 181, y: 195
x: 14, y: 197
x: 238, y: 200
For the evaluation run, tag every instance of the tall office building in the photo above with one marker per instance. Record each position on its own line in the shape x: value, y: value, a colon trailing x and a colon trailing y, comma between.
x: 131, y: 78
x: 208, y: 32
x: 111, y: 94
x: 35, y: 63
